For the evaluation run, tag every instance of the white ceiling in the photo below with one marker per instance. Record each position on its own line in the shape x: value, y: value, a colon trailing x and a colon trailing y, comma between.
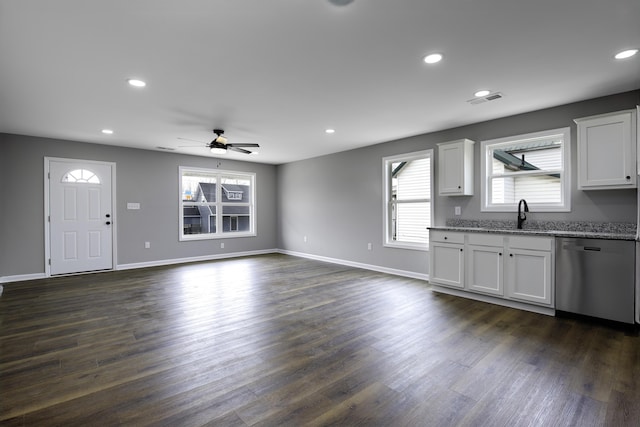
x: 279, y: 72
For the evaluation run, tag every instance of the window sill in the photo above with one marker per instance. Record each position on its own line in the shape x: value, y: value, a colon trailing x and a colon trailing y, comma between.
x: 230, y: 235
x: 409, y: 246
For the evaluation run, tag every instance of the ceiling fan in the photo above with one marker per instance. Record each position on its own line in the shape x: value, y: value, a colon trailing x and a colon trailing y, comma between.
x: 219, y: 145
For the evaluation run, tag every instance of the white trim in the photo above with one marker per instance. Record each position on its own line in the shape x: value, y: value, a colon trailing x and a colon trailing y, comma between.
x: 393, y: 271
x: 253, y: 216
x: 114, y: 209
x: 565, y: 173
x: 162, y: 262
x: 386, y: 207
x: 497, y: 301
x: 158, y: 263
x: 22, y: 277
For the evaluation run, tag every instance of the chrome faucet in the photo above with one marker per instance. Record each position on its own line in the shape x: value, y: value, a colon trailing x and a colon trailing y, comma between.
x: 521, y: 214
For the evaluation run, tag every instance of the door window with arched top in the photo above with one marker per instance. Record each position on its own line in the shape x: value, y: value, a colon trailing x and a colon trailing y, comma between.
x: 81, y: 176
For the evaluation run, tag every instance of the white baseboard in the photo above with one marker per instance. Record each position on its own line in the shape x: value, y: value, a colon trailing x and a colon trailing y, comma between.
x: 22, y: 277
x: 395, y: 272
x: 35, y: 276
x: 162, y: 262
x: 158, y: 263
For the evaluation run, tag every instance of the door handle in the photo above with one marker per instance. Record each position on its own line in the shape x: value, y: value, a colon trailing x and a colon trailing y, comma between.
x: 108, y: 222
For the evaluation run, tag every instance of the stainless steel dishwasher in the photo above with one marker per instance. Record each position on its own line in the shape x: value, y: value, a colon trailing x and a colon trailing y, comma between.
x: 596, y: 277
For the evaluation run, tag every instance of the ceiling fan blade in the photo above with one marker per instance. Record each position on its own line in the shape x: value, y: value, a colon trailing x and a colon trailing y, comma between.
x: 242, y: 145
x: 192, y: 140
x: 240, y: 150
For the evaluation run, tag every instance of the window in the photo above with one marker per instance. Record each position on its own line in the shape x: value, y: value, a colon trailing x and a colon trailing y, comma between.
x: 216, y: 204
x: 534, y: 167
x: 407, y: 199
x: 81, y: 176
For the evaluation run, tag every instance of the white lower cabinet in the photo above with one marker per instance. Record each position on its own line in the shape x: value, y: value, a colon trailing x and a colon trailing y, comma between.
x: 446, y: 257
x: 508, y: 267
x: 485, y: 271
x: 529, y: 276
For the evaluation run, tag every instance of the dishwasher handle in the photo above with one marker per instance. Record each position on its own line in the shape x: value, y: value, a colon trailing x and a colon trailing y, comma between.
x: 592, y: 248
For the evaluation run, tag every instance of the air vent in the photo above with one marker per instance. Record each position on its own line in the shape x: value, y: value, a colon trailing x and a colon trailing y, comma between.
x: 483, y: 99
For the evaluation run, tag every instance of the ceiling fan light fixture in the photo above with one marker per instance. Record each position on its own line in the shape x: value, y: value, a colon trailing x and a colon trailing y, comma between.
x: 218, y: 150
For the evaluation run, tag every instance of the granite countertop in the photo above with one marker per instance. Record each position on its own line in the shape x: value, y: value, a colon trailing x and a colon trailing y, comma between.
x: 580, y: 229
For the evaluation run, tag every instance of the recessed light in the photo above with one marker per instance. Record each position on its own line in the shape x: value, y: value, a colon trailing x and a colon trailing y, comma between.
x: 626, y: 54
x: 136, y: 83
x: 330, y: 131
x: 433, y: 58
x: 481, y: 93
x: 107, y: 131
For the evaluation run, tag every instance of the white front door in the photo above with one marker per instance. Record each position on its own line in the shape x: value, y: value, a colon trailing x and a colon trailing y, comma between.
x: 80, y: 216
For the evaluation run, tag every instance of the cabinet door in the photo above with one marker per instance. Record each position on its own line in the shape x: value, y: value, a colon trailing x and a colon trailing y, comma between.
x: 446, y: 264
x: 529, y: 276
x: 450, y: 172
x: 606, y: 151
x: 485, y: 269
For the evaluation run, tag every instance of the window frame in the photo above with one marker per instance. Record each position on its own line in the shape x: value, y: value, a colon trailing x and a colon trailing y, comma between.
x: 565, y: 172
x: 388, y: 203
x: 218, y: 204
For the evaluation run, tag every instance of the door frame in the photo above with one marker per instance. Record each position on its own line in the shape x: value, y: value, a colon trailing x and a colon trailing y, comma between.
x: 47, y: 228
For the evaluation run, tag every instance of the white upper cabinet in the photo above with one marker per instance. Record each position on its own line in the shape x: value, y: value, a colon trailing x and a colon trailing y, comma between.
x: 455, y: 168
x: 607, y: 151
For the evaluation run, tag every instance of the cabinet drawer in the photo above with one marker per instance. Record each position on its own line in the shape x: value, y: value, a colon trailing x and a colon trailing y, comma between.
x: 531, y: 243
x: 446, y: 236
x: 485, y: 239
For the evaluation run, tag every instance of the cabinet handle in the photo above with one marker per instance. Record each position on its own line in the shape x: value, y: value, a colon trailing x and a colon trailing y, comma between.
x: 445, y: 237
x: 511, y: 255
x: 628, y: 178
x: 500, y: 253
x: 460, y: 250
x: 459, y: 187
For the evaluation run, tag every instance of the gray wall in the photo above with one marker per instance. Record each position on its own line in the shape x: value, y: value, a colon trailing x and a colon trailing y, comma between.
x: 147, y: 177
x: 336, y: 200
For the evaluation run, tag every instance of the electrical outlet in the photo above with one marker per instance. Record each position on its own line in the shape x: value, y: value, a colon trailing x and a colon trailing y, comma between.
x: 369, y: 246
x: 221, y: 245
x: 147, y: 245
x: 457, y: 211
x: 304, y: 239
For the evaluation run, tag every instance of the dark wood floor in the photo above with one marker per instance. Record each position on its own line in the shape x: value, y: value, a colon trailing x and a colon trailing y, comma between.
x: 277, y: 340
